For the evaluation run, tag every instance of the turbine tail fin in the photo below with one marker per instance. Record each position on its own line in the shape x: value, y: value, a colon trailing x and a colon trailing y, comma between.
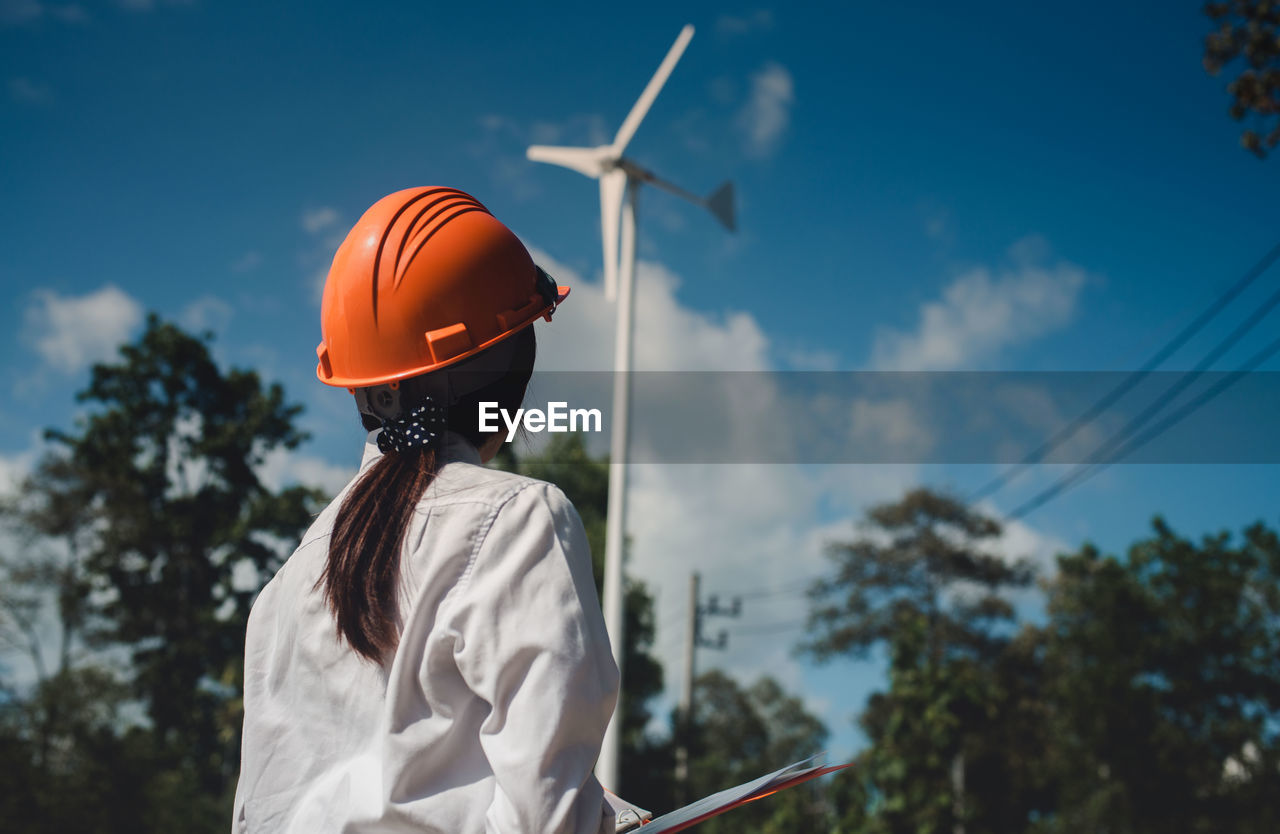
x: 720, y: 203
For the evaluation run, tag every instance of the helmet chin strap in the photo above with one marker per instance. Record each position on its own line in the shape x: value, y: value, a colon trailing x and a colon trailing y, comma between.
x: 546, y: 286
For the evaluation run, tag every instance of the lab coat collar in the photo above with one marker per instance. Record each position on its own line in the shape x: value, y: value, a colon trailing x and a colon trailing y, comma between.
x: 456, y: 448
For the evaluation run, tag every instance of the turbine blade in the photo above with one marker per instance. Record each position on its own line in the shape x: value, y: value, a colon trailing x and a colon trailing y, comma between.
x: 720, y: 203
x: 583, y: 160
x: 651, y: 91
x: 612, y: 186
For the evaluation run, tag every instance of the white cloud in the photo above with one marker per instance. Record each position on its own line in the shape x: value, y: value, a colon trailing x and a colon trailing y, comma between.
x: 15, y: 467
x: 760, y: 20
x: 71, y: 13
x: 17, y: 656
x: 1021, y: 541
x: 748, y: 528
x: 283, y: 467
x: 937, y: 221
x: 149, y: 5
x: 72, y: 332
x: 743, y: 526
x: 890, y: 424
x: 15, y: 12
x: 668, y: 336
x: 29, y: 92
x: 318, y: 279
x: 723, y: 89
x: 811, y: 359
x: 247, y: 262
x: 766, y: 115
x: 585, y: 129
x: 316, y: 220
x: 325, y: 225
x: 18, y: 12
x: 981, y: 313
x: 187, y: 474
x: 206, y: 313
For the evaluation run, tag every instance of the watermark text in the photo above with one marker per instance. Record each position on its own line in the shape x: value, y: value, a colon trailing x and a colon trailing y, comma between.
x: 558, y: 417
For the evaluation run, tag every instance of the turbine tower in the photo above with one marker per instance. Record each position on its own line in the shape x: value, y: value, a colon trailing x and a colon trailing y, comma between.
x: 620, y: 181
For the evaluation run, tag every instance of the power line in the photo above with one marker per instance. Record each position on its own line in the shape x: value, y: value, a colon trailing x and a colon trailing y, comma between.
x: 790, y: 588
x: 1186, y: 380
x: 1128, y: 383
x: 1081, y: 473
x: 770, y: 628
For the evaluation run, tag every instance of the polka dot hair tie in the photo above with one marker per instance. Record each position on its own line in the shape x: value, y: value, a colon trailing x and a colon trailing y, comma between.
x: 417, y: 430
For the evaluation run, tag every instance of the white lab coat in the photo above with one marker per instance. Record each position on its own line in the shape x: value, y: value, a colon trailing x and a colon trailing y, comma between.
x: 489, y: 715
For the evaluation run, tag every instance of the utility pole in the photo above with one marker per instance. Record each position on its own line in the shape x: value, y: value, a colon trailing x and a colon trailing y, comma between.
x: 693, y: 641
x: 686, y: 691
x: 957, y: 790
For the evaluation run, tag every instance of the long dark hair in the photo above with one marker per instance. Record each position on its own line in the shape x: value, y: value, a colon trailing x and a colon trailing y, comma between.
x: 361, y: 577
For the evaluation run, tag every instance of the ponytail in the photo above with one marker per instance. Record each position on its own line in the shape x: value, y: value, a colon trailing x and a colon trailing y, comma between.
x: 360, y: 580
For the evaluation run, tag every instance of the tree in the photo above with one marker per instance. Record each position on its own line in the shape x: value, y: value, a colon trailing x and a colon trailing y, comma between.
x: 740, y: 734
x: 647, y: 762
x: 1165, y: 686
x: 60, y: 732
x: 50, y: 526
x: 157, y: 533
x: 1249, y: 30
x: 1148, y: 702
x: 920, y: 583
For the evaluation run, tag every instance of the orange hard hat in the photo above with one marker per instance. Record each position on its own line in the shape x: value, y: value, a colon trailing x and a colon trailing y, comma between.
x: 427, y: 278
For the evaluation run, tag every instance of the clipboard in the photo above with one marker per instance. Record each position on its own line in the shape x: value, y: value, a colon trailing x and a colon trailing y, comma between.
x: 726, y: 800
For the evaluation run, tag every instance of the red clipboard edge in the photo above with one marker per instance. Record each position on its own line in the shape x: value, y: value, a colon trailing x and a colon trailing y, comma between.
x: 781, y: 786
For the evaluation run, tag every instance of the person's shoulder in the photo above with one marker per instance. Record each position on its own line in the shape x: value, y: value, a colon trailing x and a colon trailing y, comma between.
x: 532, y: 504
x: 463, y: 482
x: 507, y: 495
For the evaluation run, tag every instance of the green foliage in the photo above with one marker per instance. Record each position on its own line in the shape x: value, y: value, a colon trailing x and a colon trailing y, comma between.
x: 68, y: 765
x: 1165, y: 685
x: 740, y: 734
x: 134, y: 527
x: 167, y: 460
x: 920, y: 584
x: 921, y: 557
x: 1148, y: 702
x: 1249, y: 30
x: 50, y: 522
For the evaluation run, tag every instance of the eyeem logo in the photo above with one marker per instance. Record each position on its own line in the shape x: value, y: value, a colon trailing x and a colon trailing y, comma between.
x: 557, y: 418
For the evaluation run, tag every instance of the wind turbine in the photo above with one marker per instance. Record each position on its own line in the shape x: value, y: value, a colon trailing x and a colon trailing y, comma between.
x: 620, y: 177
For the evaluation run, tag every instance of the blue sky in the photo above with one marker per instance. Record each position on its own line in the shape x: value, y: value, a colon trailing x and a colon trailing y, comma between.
x: 903, y: 170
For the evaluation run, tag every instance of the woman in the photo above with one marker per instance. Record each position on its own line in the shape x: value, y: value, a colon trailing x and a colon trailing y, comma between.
x: 432, y: 657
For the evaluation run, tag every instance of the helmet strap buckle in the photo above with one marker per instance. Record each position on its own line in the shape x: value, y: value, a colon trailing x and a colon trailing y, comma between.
x: 546, y: 287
